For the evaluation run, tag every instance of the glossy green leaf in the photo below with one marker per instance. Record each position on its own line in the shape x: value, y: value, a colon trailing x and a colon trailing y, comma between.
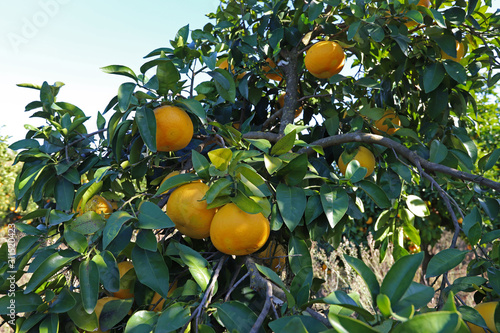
x: 146, y: 122
x: 245, y: 203
x: 146, y: 239
x: 438, y: 152
x: 151, y: 270
x: 375, y: 193
x: 417, y: 206
x: 120, y: 70
x: 455, y: 70
x: 444, y: 261
x: 384, y: 305
x: 49, y: 267
x: 142, y: 322
x: 400, y: 276
x: 108, y: 270
x: 224, y: 83
x: 176, y: 181
x: 366, y: 274
x: 64, y: 302
x: 153, y: 217
x: 335, y: 202
x: 89, y: 284
x: 194, y: 106
x: 271, y: 275
x: 113, y: 312
x: 295, y: 171
x: 173, y: 318
x: 75, y: 240
x: 345, y: 324
x: 417, y: 295
x: 433, y: 76
x: 24, y: 302
x: 198, y: 266
x: 286, y: 324
x: 299, y: 254
x: 236, y: 316
x: 436, y: 322
x: 125, y: 92
x: 272, y: 163
x: 200, y: 164
x: 113, y: 226
x: 285, y: 144
x: 291, y: 203
x: 167, y: 74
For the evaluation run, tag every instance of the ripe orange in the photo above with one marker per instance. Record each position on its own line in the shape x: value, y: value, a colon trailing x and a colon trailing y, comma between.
x: 363, y: 156
x: 224, y: 65
x: 174, y: 128
x: 271, y: 71
x: 324, y: 59
x: 189, y: 212
x: 381, y: 126
x: 281, y: 102
x: 460, y: 52
x: 370, y: 220
x: 236, y: 232
x: 97, y: 204
x: 487, y: 311
x: 277, y: 251
x: 123, y: 268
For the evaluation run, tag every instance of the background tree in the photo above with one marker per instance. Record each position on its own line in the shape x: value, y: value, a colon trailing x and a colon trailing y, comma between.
x: 411, y: 106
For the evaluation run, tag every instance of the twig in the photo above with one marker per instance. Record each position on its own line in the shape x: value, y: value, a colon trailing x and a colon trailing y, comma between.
x: 235, y: 285
x: 265, y: 308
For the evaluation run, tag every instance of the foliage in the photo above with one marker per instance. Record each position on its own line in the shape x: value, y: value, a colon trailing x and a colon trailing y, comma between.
x: 274, y: 164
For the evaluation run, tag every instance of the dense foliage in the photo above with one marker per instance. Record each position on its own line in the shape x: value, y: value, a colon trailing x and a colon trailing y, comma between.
x: 254, y: 153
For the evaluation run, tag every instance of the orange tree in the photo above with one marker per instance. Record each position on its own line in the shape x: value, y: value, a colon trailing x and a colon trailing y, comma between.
x: 269, y: 166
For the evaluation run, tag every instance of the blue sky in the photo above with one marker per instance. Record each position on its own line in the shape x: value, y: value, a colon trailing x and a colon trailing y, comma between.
x: 70, y: 40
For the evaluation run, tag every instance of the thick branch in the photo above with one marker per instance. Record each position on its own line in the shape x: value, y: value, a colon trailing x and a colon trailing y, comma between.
x: 292, y: 85
x: 386, y: 142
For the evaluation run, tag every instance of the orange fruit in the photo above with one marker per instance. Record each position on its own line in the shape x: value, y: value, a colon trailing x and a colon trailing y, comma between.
x: 369, y: 221
x: 281, y: 102
x: 325, y: 59
x: 362, y: 155
x: 487, y: 311
x: 189, y: 212
x: 224, y: 65
x: 381, y: 126
x: 174, y: 128
x: 460, y: 52
x: 97, y: 204
x: 273, y: 256
x: 236, y: 232
x: 123, y: 268
x: 271, y: 71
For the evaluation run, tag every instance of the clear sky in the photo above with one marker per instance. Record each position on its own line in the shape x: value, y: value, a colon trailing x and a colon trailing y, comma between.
x: 70, y: 40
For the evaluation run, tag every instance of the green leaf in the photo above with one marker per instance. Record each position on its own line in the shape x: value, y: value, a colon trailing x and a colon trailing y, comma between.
x: 295, y: 171
x: 400, y: 276
x: 108, y: 270
x: 384, y: 305
x: 436, y: 322
x: 438, y: 152
x: 176, y: 181
x: 366, y: 274
x: 24, y: 302
x: 299, y: 254
x: 25, y: 144
x: 455, y: 70
x: 415, y: 15
x: 375, y: 193
x: 113, y: 226
x: 193, y: 106
x: 113, y: 312
x: 198, y: 266
x: 125, y: 92
x: 433, y: 76
x: 120, y: 70
x: 345, y: 324
x: 417, y: 206
x: 287, y: 324
x: 88, y: 223
x: 64, y: 192
x: 151, y: 270
x: 236, y: 316
x: 444, y: 261
x: 417, y: 295
x: 272, y: 163
x: 173, y: 318
x: 80, y: 317
x: 146, y: 122
x: 153, y: 217
x: 271, y: 275
x: 224, y: 83
x: 89, y: 284
x: 245, y: 203
x: 200, y: 164
x: 141, y: 322
x: 335, y: 202
x: 438, y: 17
x: 167, y: 74
x: 49, y: 267
x: 220, y: 158
x: 285, y: 144
x: 63, y: 302
x: 146, y: 239
x: 75, y: 240
x: 291, y: 203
